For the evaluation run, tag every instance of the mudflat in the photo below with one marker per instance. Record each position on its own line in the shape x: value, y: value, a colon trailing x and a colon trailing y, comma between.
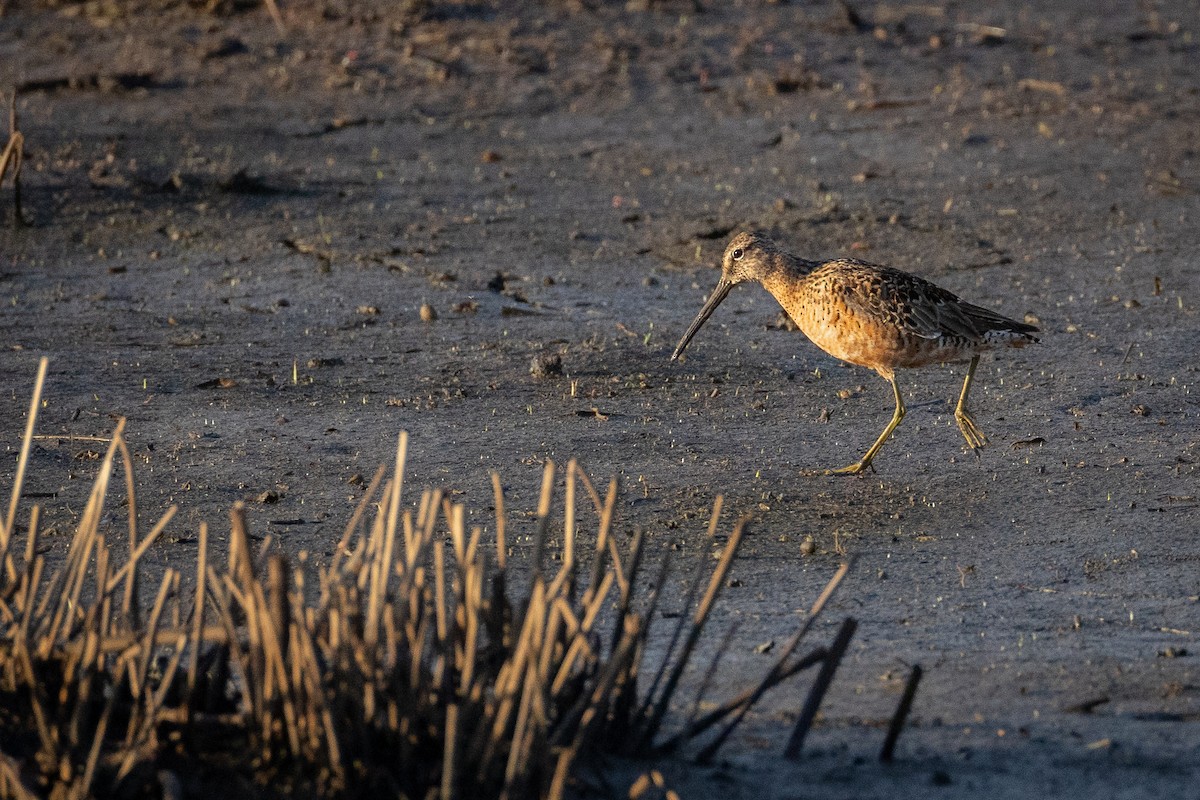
x: 271, y: 249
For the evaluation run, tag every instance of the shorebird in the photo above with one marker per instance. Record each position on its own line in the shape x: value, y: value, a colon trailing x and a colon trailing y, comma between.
x: 872, y: 316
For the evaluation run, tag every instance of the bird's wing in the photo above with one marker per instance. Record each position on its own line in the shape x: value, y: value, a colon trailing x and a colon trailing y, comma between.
x: 917, y: 306
x: 911, y: 304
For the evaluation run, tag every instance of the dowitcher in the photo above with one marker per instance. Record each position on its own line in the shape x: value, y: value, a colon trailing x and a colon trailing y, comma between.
x: 873, y: 316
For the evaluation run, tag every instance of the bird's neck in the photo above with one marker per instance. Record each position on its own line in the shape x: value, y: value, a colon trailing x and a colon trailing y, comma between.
x: 783, y: 272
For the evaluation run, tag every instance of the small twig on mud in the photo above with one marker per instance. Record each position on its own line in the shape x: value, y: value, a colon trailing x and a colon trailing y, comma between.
x: 1087, y: 706
x: 984, y: 34
x: 901, y: 715
x: 1035, y: 85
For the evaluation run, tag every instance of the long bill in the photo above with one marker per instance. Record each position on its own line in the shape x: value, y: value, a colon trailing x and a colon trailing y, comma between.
x: 714, y: 300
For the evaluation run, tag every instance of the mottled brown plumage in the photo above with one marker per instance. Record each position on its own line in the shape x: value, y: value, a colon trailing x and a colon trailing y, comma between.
x: 869, y: 315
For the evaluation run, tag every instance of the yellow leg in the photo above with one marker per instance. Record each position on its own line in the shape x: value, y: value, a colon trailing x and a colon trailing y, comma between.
x: 970, y: 431
x: 865, y: 461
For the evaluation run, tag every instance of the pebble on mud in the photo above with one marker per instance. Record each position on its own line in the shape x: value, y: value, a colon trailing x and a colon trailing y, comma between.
x: 546, y: 365
x: 808, y: 546
x: 427, y: 313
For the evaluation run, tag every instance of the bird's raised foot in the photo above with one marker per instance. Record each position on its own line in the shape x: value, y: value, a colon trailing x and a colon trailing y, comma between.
x: 970, y: 431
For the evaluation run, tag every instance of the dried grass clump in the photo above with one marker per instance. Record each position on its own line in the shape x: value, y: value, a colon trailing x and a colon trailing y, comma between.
x: 405, y: 669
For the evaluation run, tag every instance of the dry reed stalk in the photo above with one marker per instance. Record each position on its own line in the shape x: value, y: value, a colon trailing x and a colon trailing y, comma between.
x: 771, y: 679
x: 130, y: 644
x: 625, y: 577
x: 26, y: 442
x: 22, y: 639
x: 276, y: 599
x: 11, y: 782
x: 568, y: 552
x: 710, y: 674
x: 562, y: 769
x: 658, y: 710
x: 146, y: 651
x: 543, y: 517
x: 198, y: 614
x: 72, y: 575
x: 405, y: 670
x: 381, y: 572
x: 501, y: 545
x: 13, y: 154
x: 607, y: 510
x: 323, y: 732
x: 93, y: 756
x: 352, y: 527
x: 26, y: 587
x: 812, y: 703
x: 100, y: 622
x: 473, y: 596
x: 393, y: 514
x: 688, y: 598
x: 441, y: 628
x: 612, y: 672
x: 127, y: 605
x: 130, y: 566
x: 896, y: 726
x: 449, y: 752
x: 278, y: 691
x: 221, y: 590
x: 155, y: 700
x: 740, y: 703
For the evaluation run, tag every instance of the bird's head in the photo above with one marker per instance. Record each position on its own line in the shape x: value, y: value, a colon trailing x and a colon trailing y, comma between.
x: 746, y: 259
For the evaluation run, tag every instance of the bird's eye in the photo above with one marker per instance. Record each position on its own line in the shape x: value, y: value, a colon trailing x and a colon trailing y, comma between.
x: 738, y: 253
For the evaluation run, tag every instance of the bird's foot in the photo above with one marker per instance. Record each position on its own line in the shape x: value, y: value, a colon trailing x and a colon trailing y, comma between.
x: 970, y: 431
x: 856, y: 468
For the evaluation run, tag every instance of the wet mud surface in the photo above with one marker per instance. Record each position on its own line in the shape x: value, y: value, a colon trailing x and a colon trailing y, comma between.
x: 232, y: 233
